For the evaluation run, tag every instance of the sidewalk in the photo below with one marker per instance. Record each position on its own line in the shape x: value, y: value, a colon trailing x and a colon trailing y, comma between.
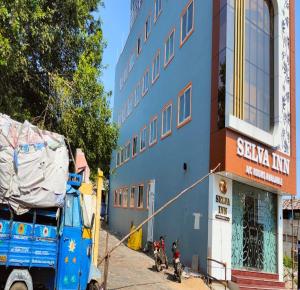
x: 129, y: 269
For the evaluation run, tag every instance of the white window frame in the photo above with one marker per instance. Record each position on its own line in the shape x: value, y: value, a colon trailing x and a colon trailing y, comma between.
x: 140, y: 202
x: 169, y: 132
x: 156, y: 65
x: 137, y: 146
x: 142, y: 134
x: 132, y: 198
x: 139, y: 45
x: 171, y: 56
x: 157, y: 12
x: 125, y: 197
x: 144, y: 89
x: 188, y: 33
x: 182, y: 94
x: 153, y: 121
x: 147, y: 33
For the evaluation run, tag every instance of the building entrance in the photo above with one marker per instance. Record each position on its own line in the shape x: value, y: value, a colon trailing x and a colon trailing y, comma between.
x: 254, y: 229
x: 253, y: 240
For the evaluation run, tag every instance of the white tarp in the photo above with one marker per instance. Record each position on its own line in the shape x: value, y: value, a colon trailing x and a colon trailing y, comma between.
x: 33, y: 166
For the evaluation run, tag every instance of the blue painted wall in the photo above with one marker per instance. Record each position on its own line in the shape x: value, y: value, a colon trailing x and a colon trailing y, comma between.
x: 190, y: 144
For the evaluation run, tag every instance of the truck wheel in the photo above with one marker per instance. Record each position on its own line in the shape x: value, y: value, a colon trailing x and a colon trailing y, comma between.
x: 18, y: 286
x: 94, y: 286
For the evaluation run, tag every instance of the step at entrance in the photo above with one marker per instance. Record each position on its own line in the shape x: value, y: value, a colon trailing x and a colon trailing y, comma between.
x: 248, y: 280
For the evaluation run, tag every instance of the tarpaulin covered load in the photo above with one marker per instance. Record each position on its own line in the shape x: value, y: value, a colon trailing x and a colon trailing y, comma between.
x: 33, y: 166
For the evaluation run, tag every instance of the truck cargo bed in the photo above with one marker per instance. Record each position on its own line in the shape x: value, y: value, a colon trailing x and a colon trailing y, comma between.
x: 24, y: 244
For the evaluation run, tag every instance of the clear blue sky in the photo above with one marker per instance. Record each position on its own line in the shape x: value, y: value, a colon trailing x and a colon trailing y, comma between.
x: 115, y: 17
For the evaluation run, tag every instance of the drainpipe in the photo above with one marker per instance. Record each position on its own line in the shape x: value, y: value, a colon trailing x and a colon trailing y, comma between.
x: 97, y: 217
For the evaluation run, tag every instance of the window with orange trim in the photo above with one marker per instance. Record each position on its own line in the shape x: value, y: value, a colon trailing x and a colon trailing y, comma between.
x: 118, y: 158
x: 139, y: 46
x: 169, y: 47
x: 185, y: 105
x: 153, y: 131
x: 146, y: 82
x: 140, y: 203
x: 157, y: 9
x: 156, y: 67
x: 147, y: 27
x: 116, y: 196
x: 125, y: 197
x: 132, y: 196
x: 137, y: 94
x: 143, y: 139
x: 166, y: 120
x: 120, y: 197
x: 134, y: 146
x: 187, y: 21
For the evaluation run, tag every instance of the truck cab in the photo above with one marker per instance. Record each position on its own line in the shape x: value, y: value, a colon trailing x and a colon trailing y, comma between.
x: 48, y: 248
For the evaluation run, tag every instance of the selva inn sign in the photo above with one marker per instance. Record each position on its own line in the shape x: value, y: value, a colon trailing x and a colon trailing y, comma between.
x: 261, y: 156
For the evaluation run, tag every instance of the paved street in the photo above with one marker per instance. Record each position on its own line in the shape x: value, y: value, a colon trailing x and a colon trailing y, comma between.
x: 129, y: 269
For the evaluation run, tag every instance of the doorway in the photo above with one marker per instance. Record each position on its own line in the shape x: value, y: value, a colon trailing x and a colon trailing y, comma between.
x: 150, y: 203
x: 254, y: 229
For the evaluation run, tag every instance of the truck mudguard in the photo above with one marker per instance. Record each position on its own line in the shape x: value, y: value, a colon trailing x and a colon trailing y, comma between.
x: 19, y: 276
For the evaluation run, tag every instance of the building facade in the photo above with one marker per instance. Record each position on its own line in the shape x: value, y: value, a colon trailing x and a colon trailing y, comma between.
x: 198, y: 84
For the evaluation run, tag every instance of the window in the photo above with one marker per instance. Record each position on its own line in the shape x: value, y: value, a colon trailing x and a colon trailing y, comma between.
x: 147, y: 27
x: 187, y: 22
x: 131, y: 62
x: 139, y: 46
x: 116, y: 198
x: 137, y: 94
x: 145, y: 82
x: 157, y: 9
x: 120, y: 119
x: 134, y: 146
x: 166, y: 120
x: 123, y: 155
x: 143, y: 139
x: 141, y: 197
x: 125, y: 197
x: 156, y: 67
x: 120, y: 195
x: 127, y: 151
x: 130, y: 104
x: 126, y: 108
x: 132, y: 196
x: 118, y: 156
x: 121, y: 83
x: 169, y: 48
x: 184, y: 105
x: 124, y: 112
x: 259, y: 64
x: 153, y: 131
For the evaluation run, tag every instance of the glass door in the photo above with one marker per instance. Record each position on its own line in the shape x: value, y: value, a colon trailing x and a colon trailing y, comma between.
x: 254, y: 229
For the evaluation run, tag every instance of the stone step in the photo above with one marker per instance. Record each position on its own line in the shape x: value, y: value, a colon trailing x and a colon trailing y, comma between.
x: 244, y: 280
x: 249, y: 280
x: 259, y: 288
x: 263, y: 275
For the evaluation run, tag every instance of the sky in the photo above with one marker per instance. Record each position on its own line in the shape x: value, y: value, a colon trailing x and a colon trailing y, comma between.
x: 116, y: 17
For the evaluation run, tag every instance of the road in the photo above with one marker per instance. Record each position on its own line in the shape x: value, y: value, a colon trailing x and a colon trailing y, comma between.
x: 131, y: 270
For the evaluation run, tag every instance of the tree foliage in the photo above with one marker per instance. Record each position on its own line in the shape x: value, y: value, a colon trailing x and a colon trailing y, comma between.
x: 50, y: 68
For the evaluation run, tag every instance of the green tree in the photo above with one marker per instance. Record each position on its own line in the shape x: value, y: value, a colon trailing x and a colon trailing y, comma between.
x: 50, y: 68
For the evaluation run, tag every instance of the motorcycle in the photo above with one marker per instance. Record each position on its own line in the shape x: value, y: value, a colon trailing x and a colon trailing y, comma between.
x: 160, y: 256
x: 176, y: 262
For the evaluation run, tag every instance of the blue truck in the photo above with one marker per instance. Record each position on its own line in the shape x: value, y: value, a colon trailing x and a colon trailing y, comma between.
x: 46, y: 248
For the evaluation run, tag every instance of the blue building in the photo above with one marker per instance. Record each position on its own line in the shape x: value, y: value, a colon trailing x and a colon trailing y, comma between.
x: 200, y: 83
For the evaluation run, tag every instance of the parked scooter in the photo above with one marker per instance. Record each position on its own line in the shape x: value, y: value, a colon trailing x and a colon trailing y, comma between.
x: 176, y: 262
x: 160, y: 256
